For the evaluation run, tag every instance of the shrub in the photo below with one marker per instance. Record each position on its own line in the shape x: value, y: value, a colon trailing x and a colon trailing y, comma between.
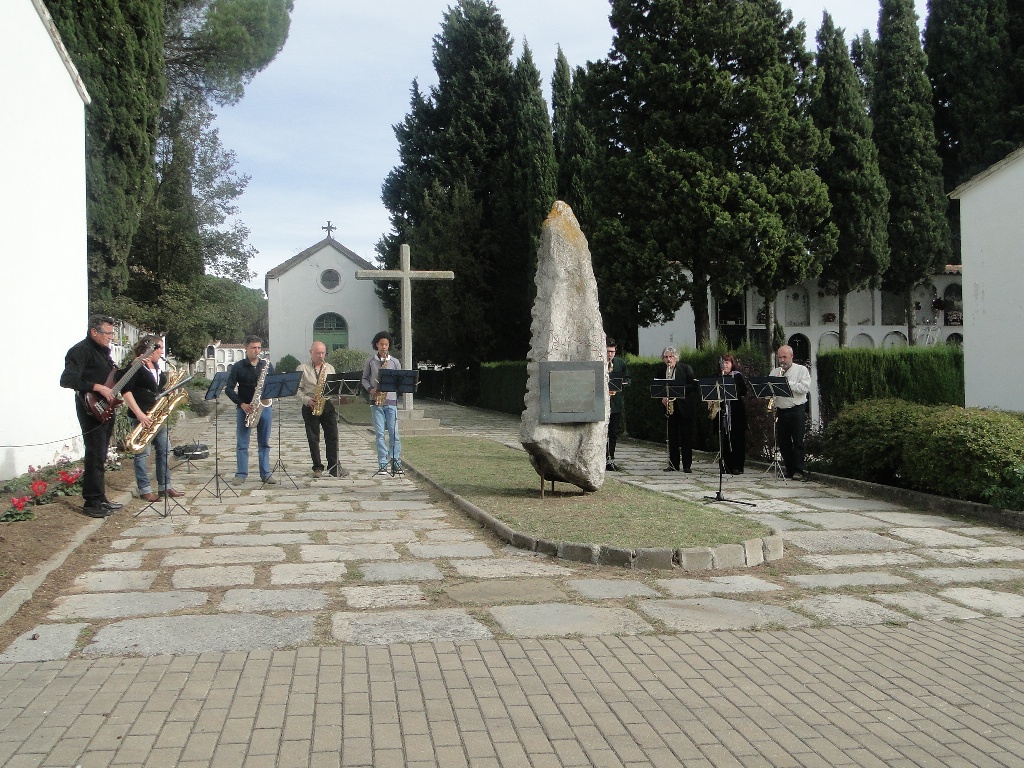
x: 348, y: 359
x: 1010, y: 493
x: 286, y: 364
x: 962, y: 453
x: 928, y: 375
x: 866, y: 440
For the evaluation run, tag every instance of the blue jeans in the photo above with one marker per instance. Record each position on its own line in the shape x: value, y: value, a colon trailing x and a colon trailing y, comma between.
x: 386, y: 416
x: 242, y: 435
x: 163, y: 477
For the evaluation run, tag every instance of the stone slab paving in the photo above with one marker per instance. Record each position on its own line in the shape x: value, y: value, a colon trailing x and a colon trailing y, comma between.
x: 369, y: 573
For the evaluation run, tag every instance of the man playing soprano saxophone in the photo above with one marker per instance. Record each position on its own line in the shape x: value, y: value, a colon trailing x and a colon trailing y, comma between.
x: 383, y: 405
x: 241, y: 387
x: 328, y: 418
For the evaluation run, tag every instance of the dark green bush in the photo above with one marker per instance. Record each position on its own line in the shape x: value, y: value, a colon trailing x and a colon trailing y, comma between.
x: 865, y: 441
x: 287, y: 364
x: 1009, y: 494
x: 962, y: 453
x: 502, y: 386
x: 928, y: 375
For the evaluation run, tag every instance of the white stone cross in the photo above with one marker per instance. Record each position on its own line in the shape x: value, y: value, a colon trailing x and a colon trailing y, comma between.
x: 406, y: 275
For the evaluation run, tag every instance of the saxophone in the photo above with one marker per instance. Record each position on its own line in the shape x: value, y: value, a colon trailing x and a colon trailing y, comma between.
x: 257, y: 403
x: 141, y: 436
x: 381, y: 398
x: 319, y: 401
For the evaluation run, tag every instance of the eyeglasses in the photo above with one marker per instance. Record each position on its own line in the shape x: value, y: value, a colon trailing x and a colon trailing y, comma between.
x: 105, y: 333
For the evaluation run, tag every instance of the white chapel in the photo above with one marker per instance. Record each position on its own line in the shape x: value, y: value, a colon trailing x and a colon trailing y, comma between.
x: 314, y: 296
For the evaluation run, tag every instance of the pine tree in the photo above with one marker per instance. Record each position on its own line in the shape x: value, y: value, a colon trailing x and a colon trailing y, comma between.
x: 711, y: 172
x: 904, y: 132
x: 857, y: 190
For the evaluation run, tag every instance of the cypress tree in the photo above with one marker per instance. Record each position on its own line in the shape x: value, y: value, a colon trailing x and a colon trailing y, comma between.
x: 117, y: 46
x: 908, y: 157
x: 856, y: 188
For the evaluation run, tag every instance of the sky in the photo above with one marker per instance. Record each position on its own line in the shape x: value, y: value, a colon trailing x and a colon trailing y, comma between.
x: 314, y: 130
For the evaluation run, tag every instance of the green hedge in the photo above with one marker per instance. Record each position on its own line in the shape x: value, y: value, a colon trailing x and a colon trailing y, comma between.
x: 962, y: 453
x: 502, y: 386
x: 928, y: 375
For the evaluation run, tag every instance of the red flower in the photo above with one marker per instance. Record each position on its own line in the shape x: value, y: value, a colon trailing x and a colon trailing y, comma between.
x: 69, y: 478
x: 39, y: 487
x: 19, y: 504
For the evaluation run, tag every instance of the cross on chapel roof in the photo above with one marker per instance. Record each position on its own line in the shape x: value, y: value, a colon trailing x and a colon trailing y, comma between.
x: 330, y: 228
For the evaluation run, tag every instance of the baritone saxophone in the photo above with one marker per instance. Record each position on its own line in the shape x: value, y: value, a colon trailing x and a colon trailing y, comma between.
x: 142, y: 436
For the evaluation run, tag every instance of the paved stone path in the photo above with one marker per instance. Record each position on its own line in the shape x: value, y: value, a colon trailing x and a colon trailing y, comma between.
x: 362, y: 622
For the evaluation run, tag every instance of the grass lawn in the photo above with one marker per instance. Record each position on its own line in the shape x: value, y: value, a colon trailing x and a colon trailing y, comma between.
x: 501, y: 481
x: 357, y: 411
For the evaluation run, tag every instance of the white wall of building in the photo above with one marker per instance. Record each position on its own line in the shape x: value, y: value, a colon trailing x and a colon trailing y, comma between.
x: 44, y: 291
x: 297, y: 299
x: 992, y: 232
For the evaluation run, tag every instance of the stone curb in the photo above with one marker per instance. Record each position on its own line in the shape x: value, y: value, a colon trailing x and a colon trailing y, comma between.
x: 21, y: 593
x: 724, y: 556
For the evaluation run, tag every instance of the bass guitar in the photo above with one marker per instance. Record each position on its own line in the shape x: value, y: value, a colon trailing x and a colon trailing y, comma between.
x: 102, y: 409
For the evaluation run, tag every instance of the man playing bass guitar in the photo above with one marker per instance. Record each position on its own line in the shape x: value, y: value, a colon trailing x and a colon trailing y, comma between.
x: 87, y: 368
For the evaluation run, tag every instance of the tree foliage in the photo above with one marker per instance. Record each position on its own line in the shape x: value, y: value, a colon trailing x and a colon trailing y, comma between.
x: 857, y: 190
x: 475, y: 178
x: 710, y: 156
x: 116, y: 47
x: 904, y: 133
x: 214, y: 48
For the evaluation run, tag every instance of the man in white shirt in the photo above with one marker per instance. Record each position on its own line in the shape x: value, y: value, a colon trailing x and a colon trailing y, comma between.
x: 790, y: 413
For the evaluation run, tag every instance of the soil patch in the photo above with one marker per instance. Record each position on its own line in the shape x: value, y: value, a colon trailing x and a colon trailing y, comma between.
x: 26, y: 545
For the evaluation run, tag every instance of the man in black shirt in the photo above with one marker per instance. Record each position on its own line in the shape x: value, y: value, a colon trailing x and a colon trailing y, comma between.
x: 241, y: 388
x: 87, y: 366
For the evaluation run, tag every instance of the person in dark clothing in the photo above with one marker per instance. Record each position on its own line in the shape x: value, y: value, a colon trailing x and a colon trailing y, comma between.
x: 679, y: 414
x: 732, y: 420
x: 243, y: 378
x: 87, y: 366
x: 616, y: 370
x: 140, y: 395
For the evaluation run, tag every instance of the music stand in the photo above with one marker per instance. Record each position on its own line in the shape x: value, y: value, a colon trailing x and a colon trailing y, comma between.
x: 276, y: 386
x: 350, y: 382
x: 673, y: 390
x: 220, y: 381
x: 720, y: 389
x: 401, y: 382
x: 333, y: 386
x: 615, y: 385
x: 770, y: 387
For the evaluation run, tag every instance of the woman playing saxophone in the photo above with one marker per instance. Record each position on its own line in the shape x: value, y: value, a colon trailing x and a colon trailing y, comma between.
x: 140, y: 394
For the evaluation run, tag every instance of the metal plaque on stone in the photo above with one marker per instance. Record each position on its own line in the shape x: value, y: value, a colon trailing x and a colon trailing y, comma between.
x: 572, y: 392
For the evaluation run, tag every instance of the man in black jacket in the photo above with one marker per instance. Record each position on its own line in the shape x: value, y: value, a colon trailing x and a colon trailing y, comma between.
x: 87, y: 366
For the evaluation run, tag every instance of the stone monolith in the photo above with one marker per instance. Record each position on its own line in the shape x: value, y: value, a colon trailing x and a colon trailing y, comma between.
x: 567, y: 327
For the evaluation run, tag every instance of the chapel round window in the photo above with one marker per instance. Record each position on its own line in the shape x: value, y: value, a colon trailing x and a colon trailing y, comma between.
x: 330, y: 279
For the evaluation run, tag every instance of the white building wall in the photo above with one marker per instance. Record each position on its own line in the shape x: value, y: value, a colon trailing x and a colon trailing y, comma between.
x: 297, y: 299
x: 992, y: 232
x: 44, y: 291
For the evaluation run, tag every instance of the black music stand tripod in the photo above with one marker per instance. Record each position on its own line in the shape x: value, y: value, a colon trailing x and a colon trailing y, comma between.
x: 720, y: 389
x: 220, y: 380
x: 276, y: 386
x: 675, y: 391
x: 401, y: 382
x: 770, y: 387
x: 333, y: 385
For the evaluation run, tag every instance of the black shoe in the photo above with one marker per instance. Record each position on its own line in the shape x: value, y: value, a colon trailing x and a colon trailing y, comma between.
x: 670, y: 469
x: 112, y: 506
x: 96, y: 511
x: 687, y: 470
